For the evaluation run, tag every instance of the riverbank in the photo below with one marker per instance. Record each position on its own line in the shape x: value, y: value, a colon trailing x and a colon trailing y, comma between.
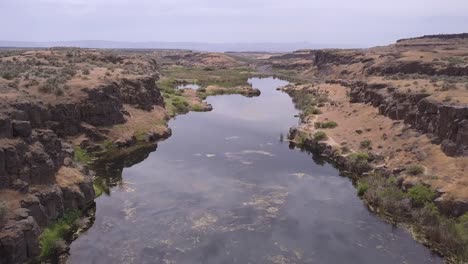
x: 383, y: 157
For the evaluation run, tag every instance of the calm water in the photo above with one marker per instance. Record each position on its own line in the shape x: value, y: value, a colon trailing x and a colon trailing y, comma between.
x: 225, y: 189
x: 189, y: 86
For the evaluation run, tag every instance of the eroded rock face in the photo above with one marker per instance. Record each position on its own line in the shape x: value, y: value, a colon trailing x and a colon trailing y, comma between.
x: 141, y: 92
x: 416, y: 67
x: 449, y: 122
x: 18, y: 241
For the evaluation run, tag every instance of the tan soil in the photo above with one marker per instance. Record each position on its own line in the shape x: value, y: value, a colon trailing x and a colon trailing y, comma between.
x: 403, y: 146
x: 140, y: 122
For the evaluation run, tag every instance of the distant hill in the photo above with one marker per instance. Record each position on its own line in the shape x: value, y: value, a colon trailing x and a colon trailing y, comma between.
x: 439, y: 36
x: 215, y: 47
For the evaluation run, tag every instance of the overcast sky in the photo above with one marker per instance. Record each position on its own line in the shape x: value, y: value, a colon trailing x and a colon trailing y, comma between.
x: 345, y: 22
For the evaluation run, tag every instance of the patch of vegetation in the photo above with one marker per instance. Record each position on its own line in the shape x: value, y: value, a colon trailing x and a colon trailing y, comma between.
x: 57, y: 232
x: 180, y: 104
x: 197, y: 108
x: 81, y: 155
x: 325, y: 125
x: 175, y: 102
x: 311, y: 110
x: 414, y: 169
x: 300, y: 138
x: 421, y: 195
x: 362, y: 188
x: 203, y: 93
x: 359, y: 162
x: 320, y: 136
x: 454, y: 60
x: 98, y: 191
x: 365, y: 143
x: 450, y: 235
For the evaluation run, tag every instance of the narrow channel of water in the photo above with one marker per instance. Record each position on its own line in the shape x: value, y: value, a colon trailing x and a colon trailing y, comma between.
x: 188, y: 86
x: 225, y: 189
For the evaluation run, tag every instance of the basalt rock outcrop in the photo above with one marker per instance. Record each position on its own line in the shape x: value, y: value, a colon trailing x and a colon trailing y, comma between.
x: 447, y: 122
x: 416, y: 67
x: 36, y: 163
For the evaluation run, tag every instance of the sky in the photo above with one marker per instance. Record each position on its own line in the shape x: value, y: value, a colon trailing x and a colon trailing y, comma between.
x: 334, y: 22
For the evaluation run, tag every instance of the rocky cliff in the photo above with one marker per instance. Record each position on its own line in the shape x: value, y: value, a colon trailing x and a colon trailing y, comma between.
x: 39, y: 180
x: 447, y: 122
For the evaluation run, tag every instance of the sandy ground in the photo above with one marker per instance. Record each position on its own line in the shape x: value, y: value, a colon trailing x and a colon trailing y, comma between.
x: 398, y: 143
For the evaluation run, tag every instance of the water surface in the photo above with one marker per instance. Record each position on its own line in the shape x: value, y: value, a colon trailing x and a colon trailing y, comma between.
x: 225, y: 189
x: 188, y: 86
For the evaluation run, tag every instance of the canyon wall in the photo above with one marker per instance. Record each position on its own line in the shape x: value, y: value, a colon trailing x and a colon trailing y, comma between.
x: 39, y: 179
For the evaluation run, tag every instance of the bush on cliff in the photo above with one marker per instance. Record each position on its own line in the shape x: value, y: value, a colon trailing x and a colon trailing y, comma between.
x: 57, y: 232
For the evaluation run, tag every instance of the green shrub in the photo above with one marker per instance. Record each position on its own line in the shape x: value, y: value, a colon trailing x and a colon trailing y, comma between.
x: 359, y: 156
x: 359, y: 162
x: 98, y: 191
x: 56, y: 232
x: 311, y: 111
x: 197, y: 108
x: 324, y: 125
x: 461, y: 227
x: 320, y: 136
x: 82, y: 155
x: 365, y: 144
x: 421, y: 195
x: 300, y: 138
x: 415, y: 169
x: 362, y: 187
x: 180, y: 104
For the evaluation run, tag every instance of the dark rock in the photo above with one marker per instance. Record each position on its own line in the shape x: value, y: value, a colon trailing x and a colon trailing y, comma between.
x: 6, y: 128
x: 19, y: 243
x: 21, y: 128
x: 450, y: 207
x: 141, y: 92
